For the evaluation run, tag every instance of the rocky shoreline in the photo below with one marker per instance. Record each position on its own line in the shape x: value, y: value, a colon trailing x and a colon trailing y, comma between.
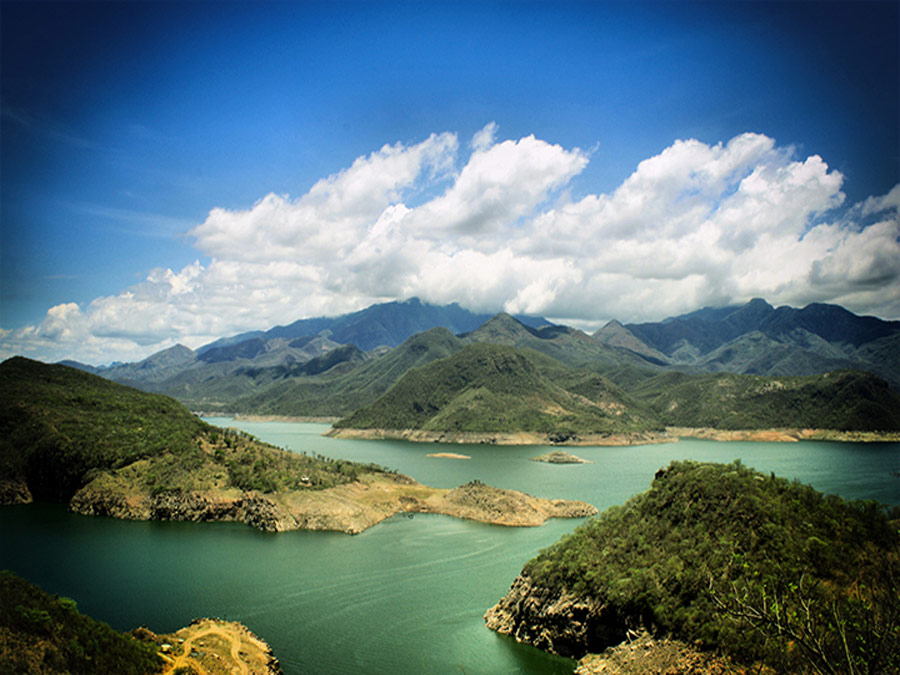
x: 555, y: 621
x: 500, y: 438
x: 670, y: 435
x: 784, y: 435
x: 349, y: 508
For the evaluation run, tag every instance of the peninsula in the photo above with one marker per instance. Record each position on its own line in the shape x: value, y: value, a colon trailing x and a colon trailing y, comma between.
x: 109, y: 450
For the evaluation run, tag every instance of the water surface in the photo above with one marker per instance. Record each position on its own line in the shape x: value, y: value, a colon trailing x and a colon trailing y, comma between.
x: 406, y: 596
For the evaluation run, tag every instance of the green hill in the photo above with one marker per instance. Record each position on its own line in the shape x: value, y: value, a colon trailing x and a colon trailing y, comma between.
x: 761, y: 568
x: 340, y: 391
x: 61, y: 428
x: 843, y: 400
x: 488, y: 387
x: 42, y: 633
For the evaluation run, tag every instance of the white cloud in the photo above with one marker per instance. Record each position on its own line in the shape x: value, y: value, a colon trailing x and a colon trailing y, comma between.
x: 484, y: 138
x: 695, y: 225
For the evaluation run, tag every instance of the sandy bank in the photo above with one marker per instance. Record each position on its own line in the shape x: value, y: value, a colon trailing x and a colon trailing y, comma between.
x: 499, y: 438
x: 785, y: 435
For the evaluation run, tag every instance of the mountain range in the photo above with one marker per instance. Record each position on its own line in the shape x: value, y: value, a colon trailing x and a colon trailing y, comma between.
x: 334, y: 366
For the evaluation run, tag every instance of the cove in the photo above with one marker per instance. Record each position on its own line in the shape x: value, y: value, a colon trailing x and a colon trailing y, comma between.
x: 405, y: 596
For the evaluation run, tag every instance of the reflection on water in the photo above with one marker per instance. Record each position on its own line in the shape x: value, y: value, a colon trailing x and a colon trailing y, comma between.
x: 406, y: 596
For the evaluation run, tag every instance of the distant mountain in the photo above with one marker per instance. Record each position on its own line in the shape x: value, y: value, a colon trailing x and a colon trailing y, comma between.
x: 387, y: 324
x: 229, y: 368
x: 340, y: 390
x: 565, y: 344
x: 280, y: 372
x: 760, y: 339
x: 492, y: 388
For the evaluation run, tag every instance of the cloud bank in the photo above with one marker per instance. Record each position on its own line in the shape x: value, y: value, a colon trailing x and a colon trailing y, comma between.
x: 695, y: 225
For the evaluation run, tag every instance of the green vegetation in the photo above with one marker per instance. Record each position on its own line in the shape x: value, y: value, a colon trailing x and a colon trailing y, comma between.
x: 341, y: 390
x: 42, y: 633
x: 58, y: 423
x: 493, y: 388
x: 61, y: 428
x: 487, y: 387
x: 843, y: 400
x: 767, y: 570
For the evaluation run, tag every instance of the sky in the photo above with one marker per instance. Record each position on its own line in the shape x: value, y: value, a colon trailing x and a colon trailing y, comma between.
x: 178, y: 172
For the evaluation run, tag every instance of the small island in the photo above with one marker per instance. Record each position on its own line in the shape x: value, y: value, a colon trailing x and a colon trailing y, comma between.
x: 560, y: 457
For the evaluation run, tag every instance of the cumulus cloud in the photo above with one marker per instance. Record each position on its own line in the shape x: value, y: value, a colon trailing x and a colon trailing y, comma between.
x: 695, y: 225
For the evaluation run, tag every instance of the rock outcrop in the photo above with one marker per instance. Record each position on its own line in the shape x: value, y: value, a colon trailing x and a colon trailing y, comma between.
x: 560, y: 457
x: 555, y: 621
x: 642, y: 654
x: 14, y: 491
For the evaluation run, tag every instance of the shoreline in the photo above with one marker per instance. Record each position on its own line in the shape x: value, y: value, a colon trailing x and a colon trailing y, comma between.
x: 498, y: 437
x: 242, y: 417
x: 350, y: 508
x: 671, y: 435
x: 784, y: 435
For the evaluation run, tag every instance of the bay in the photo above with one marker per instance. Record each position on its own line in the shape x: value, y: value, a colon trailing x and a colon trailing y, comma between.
x: 406, y: 596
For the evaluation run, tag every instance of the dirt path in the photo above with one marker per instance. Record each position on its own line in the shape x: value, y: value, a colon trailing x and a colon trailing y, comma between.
x: 229, y: 649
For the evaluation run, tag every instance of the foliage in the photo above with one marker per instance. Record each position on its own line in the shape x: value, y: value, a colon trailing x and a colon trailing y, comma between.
x: 843, y: 400
x: 487, y: 387
x: 766, y: 569
x: 57, y: 423
x: 47, y: 634
x: 60, y: 428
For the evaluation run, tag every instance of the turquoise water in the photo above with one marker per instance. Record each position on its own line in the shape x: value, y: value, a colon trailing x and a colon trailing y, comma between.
x: 406, y: 596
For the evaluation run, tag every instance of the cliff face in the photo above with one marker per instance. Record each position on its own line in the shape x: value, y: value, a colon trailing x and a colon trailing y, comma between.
x: 254, y: 510
x: 555, y: 621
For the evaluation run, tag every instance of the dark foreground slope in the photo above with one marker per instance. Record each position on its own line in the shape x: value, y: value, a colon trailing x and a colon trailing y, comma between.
x: 495, y: 388
x: 761, y: 568
x: 42, y: 633
x: 62, y: 429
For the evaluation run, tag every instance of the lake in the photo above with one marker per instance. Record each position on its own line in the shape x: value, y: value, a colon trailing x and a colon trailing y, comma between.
x: 406, y: 596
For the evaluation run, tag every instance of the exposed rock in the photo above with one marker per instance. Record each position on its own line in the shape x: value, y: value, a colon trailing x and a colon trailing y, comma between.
x: 478, y: 501
x: 560, y: 457
x: 501, y: 437
x: 645, y: 655
x: 14, y: 491
x: 555, y: 621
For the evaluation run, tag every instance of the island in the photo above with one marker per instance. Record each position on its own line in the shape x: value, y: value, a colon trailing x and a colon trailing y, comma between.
x: 560, y: 457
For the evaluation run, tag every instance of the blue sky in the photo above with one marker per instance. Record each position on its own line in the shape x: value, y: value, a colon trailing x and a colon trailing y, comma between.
x: 584, y: 161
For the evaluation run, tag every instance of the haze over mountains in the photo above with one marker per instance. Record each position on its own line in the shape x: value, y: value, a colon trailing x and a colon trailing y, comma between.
x: 333, y: 366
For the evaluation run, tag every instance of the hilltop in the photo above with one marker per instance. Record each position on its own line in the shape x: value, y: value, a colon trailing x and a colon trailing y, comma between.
x: 110, y: 450
x: 721, y: 556
x: 486, y: 388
